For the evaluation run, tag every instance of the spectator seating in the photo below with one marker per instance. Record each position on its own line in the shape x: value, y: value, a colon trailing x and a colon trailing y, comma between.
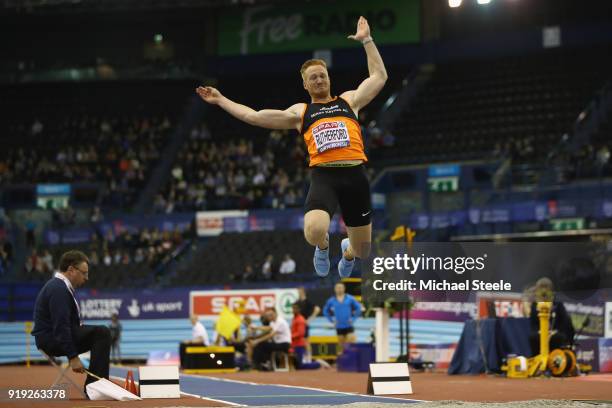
x: 110, y: 133
x: 520, y: 105
x: 225, y: 258
x: 127, y: 260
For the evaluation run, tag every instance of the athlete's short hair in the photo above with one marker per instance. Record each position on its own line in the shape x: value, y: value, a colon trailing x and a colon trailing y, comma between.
x: 310, y: 63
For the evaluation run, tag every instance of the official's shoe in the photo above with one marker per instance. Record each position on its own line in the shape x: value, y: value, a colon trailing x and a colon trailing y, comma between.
x: 345, y: 267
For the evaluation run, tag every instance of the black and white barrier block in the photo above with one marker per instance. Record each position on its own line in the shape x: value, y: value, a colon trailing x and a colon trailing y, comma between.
x: 389, y: 378
x: 159, y: 382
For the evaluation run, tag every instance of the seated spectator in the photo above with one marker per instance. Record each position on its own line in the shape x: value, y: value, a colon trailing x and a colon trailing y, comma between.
x: 249, y: 274
x: 96, y: 215
x: 266, y: 268
x: 34, y: 265
x: 107, y: 260
x: 4, y: 260
x: 6, y: 251
x: 277, y: 337
x: 94, y: 260
x: 47, y: 262
x: 139, y: 255
x: 388, y: 139
x: 199, y: 335
x: 287, y: 267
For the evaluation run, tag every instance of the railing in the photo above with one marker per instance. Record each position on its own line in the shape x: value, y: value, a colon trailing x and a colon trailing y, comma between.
x: 586, y: 124
x: 99, y: 73
x: 166, y: 270
x: 400, y: 100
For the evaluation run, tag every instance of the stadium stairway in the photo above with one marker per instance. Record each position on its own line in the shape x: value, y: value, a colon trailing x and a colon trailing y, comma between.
x: 595, y: 127
x: 403, y: 100
x: 473, y: 107
x: 143, y: 336
x: 20, y: 251
x: 161, y: 173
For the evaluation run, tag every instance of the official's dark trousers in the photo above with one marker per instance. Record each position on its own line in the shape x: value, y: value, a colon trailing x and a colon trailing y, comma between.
x: 95, y: 339
x: 262, y: 351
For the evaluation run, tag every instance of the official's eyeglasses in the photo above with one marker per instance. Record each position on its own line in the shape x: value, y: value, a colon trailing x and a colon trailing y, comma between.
x: 84, y: 273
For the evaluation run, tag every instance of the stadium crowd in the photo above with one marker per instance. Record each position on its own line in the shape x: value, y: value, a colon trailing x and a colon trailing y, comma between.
x: 270, y: 270
x: 147, y: 247
x: 6, y: 256
x: 117, y: 152
x: 237, y: 173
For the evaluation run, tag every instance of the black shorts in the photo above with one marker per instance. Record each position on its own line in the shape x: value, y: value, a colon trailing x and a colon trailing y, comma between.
x: 238, y: 346
x: 345, y: 186
x: 344, y: 332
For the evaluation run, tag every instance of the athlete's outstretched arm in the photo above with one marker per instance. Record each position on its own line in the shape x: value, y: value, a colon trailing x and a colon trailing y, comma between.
x: 267, y: 118
x: 372, y: 85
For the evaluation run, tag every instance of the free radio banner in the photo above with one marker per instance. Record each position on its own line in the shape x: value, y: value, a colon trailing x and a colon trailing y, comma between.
x: 323, y: 24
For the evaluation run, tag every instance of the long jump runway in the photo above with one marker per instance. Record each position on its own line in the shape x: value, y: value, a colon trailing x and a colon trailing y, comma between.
x: 240, y: 393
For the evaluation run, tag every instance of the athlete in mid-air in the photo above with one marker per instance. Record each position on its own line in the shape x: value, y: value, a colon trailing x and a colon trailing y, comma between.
x: 332, y: 134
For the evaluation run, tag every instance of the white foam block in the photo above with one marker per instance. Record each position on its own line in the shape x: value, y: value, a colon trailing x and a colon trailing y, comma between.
x: 389, y: 379
x: 389, y: 370
x: 159, y: 382
x: 392, y: 388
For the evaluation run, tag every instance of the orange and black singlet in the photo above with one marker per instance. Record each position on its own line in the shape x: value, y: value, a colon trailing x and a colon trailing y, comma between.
x: 331, y: 132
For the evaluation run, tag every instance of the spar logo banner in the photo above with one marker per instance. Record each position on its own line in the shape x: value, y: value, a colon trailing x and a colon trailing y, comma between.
x: 492, y: 305
x: 210, y: 303
x: 316, y: 25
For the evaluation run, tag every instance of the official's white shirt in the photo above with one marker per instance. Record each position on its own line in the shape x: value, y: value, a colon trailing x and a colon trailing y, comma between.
x: 282, y: 332
x: 199, y: 331
x: 71, y: 290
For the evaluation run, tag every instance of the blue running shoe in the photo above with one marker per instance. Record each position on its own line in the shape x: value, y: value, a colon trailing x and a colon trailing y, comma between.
x: 345, y: 267
x: 321, y: 260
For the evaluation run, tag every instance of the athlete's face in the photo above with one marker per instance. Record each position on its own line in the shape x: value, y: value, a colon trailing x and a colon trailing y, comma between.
x: 316, y: 80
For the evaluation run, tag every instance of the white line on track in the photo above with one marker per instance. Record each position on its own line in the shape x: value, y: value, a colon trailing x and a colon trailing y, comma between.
x: 232, y: 404
x: 302, y: 387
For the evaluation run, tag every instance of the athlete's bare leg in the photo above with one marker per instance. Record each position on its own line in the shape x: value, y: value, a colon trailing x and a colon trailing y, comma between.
x: 316, y: 225
x: 249, y: 351
x: 344, y: 339
x: 360, y: 239
x: 341, y: 342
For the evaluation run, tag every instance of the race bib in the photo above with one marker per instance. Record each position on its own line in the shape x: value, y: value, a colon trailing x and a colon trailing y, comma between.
x: 331, y: 135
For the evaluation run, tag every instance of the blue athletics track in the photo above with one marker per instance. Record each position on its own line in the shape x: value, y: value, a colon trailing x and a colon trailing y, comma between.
x: 237, y: 393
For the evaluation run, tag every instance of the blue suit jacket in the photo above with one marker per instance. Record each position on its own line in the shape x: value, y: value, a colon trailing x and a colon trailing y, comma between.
x: 56, y: 319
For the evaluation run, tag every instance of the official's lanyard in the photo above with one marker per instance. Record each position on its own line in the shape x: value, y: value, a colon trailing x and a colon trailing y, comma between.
x: 71, y: 290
